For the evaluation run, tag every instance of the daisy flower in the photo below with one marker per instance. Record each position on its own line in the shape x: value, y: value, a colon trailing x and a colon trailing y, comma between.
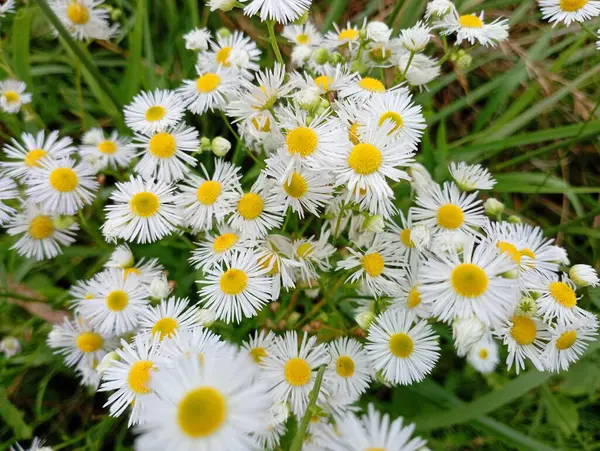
x: 219, y: 248
x: 151, y: 112
x: 211, y: 90
x: 113, y: 152
x: 584, y: 276
x: 194, y: 341
x: 568, y: 342
x: 313, y: 254
x: 39, y: 236
x: 85, y: 19
x: 121, y: 258
x: 365, y: 88
x: 306, y: 34
x: 273, y: 255
x: 280, y: 11
x: 236, y: 289
x: 379, y: 267
x: 471, y: 177
x: 397, y: 109
x: 447, y: 209
x: 471, y: 28
x: 350, y: 34
x: 332, y: 79
x: 407, y: 295
x: 290, y: 369
x: 483, y: 356
x: 143, y: 211
x: 204, y: 200
x: 79, y: 343
x: 146, y: 270
x: 117, y: 304
x: 235, y: 51
x: 371, y: 432
x: 259, y: 346
x: 131, y: 376
x: 211, y: 405
x: 197, y: 39
x: 349, y: 370
x: 421, y: 69
x: 13, y: 95
x: 416, y: 38
x: 525, y: 337
x: 8, y: 191
x: 169, y: 317
x: 62, y: 186
x: 405, y: 352
x: 33, y: 150
x: 255, y: 211
x: 459, y: 286
x: 438, y: 8
x: 569, y: 11
x: 409, y: 239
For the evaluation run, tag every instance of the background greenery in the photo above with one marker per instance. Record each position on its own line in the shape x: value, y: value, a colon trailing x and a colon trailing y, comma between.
x: 526, y: 110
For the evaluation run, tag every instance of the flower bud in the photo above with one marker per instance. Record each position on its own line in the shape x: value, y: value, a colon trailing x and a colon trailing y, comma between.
x: 107, y: 361
x: 300, y: 54
x: 308, y: 98
x: 378, y: 32
x: 223, y: 5
x: 159, y: 288
x: 526, y: 306
x: 374, y: 224
x: 220, y: 146
x: 302, y: 19
x: 466, y: 332
x: 279, y: 413
x: 205, y: 317
x: 197, y: 39
x: 321, y: 56
x: 223, y: 32
x: 10, y: 346
x: 336, y: 58
x: 493, y: 207
x: 122, y: 258
x: 239, y: 58
x: 512, y: 274
x: 513, y: 219
x: 63, y: 221
x: 420, y: 236
x: 464, y: 61
x: 584, y: 275
x: 364, y: 319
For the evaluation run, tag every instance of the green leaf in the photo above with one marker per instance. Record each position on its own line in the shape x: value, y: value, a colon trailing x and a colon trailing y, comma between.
x: 20, y: 38
x: 583, y: 378
x: 13, y: 417
x: 561, y: 412
x: 134, y: 72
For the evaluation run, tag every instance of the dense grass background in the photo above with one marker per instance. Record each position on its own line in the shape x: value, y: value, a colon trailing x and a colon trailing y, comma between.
x: 527, y: 110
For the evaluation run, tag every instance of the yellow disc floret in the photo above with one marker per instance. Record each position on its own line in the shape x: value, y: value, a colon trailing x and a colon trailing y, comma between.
x: 523, y: 330
x: 64, y: 180
x: 296, y: 186
x: 344, y: 366
x: 401, y: 345
x: 208, y: 192
x: 89, y: 341
x: 469, y: 280
x: 450, y: 216
x: 139, y: 376
x: 201, y: 412
x: 365, y: 159
x: 563, y: 294
x: 41, y: 227
x: 144, y: 204
x: 233, y: 282
x: 297, y: 372
x: 302, y: 141
x: 250, y: 206
x: 373, y: 264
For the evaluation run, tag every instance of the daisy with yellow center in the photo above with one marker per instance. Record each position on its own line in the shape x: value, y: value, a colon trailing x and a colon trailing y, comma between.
x: 403, y: 351
x: 569, y: 11
x: 130, y: 377
x: 142, y: 211
x: 462, y: 285
x: 154, y: 111
x: 568, y: 342
x: 85, y: 19
x: 101, y: 151
x: 13, y: 96
x: 407, y: 295
x: 168, y: 318
x: 306, y: 34
x: 194, y: 341
x: 258, y: 346
x: 364, y: 89
x: 117, y: 303
x: 280, y: 11
x: 472, y: 28
x: 235, y: 51
x: 331, y: 80
x: 341, y: 36
x: 483, y: 356
x: 275, y: 254
x: 215, y: 404
x: 525, y: 336
x: 237, y: 289
x: 313, y: 254
x: 290, y: 369
x: 206, y: 200
x: 219, y: 247
x: 349, y: 370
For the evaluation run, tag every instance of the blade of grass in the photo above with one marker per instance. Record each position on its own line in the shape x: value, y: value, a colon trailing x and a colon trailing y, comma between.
x: 335, y: 13
x: 314, y: 394
x: 20, y: 37
x: 133, y: 73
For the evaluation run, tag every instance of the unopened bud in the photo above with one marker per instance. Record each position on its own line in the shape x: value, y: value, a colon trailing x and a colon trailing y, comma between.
x: 493, y: 207
x: 364, y: 319
x: 513, y: 219
x: 220, y: 146
x: 321, y: 56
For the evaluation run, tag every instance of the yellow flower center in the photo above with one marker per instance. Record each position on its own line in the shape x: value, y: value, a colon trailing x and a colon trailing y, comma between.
x: 78, y: 13
x: 89, y: 342
x: 224, y: 242
x: 144, y: 204
x: 64, y: 180
x: 469, y: 280
x: 130, y: 271
x: 405, y: 238
x: 163, y: 145
x: 450, y: 216
x: 12, y: 96
x: 572, y: 5
x: 414, y: 297
x: 265, y: 263
x: 302, y: 39
x: 401, y: 345
x: 155, y: 113
x: 527, y: 253
x: 302, y: 141
x: 201, y: 412
x: 563, y: 294
x: 139, y: 376
x: 510, y: 250
x: 233, y: 282
x: 353, y: 134
x: 250, y: 206
x: 208, y: 192
x: 107, y: 147
x: 373, y: 264
x: 117, y: 300
x: 41, y: 227
x: 394, y: 117
x: 166, y: 327
x: 365, y: 159
x: 207, y: 83
x: 523, y: 330
x: 470, y: 21
x: 372, y: 85
x: 324, y: 82
x: 344, y: 366
x: 33, y: 157
x: 296, y: 186
x: 349, y: 34
x: 223, y: 56
x: 304, y: 250
x: 258, y: 354
x: 297, y: 372
x: 566, y: 340
x: 266, y: 127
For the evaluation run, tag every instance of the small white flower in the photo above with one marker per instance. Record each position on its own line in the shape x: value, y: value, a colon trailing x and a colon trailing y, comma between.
x: 421, y: 70
x: 121, y: 257
x: 525, y: 337
x: 349, y: 370
x: 281, y: 11
x: 378, y: 31
x: 112, y: 152
x: 194, y: 341
x: 151, y: 112
x: 568, y: 342
x: 305, y: 35
x: 10, y: 346
x: 210, y: 91
x: 584, y: 275
x: 259, y: 348
x: 483, y: 356
x: 159, y: 288
x: 168, y: 318
x: 85, y: 19
x: 197, y: 39
x: 415, y: 39
x: 471, y: 28
x: 13, y: 95
x: 234, y: 51
x: 471, y: 177
x: 438, y: 8
x: 569, y: 11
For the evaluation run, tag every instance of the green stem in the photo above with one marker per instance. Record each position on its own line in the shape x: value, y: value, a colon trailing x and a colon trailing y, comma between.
x: 314, y: 394
x: 410, y: 58
x: 273, y: 40
x: 83, y: 56
x: 205, y: 14
x: 339, y: 220
x: 237, y: 137
x: 588, y: 31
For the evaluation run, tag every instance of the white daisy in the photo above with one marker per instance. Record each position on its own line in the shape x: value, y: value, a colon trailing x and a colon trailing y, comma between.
x: 568, y: 342
x: 168, y: 318
x: 197, y: 39
x: 421, y: 70
x: 146, y: 270
x: 584, y: 276
x: 8, y: 191
x: 349, y: 370
x: 483, y: 356
x: 350, y: 35
x: 313, y: 254
x: 365, y: 88
x: 235, y: 51
x: 212, y: 90
x: 113, y: 152
x: 151, y: 112
x: 280, y: 11
x: 117, y: 304
x: 13, y: 95
x: 290, y: 369
x: 273, y: 254
x: 236, y: 289
x: 471, y: 28
x: 405, y: 352
x: 259, y: 346
x: 305, y: 34
x: 569, y: 11
x: 407, y: 295
x: 39, y: 236
x: 62, y: 186
x: 416, y: 38
x: 211, y: 405
x: 85, y: 19
x: 525, y: 337
x: 35, y: 148
x: 205, y: 200
x: 333, y: 79
x: 469, y: 284
x: 438, y: 8
x: 121, y: 257
x: 143, y: 211
x: 406, y: 236
x: 131, y: 376
x: 219, y: 248
x: 471, y: 177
